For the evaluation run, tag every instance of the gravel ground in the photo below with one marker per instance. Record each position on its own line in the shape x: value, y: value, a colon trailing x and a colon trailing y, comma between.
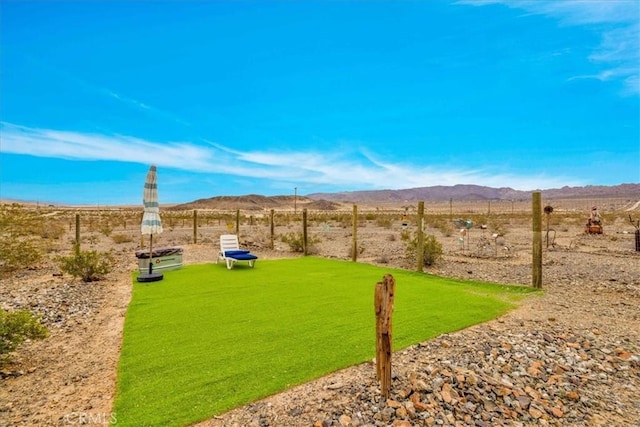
x: 569, y: 357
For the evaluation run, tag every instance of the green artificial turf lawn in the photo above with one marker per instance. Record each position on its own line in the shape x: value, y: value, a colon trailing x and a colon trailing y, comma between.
x: 207, y: 339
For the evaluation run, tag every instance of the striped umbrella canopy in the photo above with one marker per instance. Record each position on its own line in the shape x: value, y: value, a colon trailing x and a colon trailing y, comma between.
x: 151, y: 223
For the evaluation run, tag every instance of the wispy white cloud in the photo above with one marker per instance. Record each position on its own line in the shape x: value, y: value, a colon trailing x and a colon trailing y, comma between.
x: 105, y: 92
x: 337, y: 169
x: 73, y: 145
x: 617, y: 22
x: 139, y: 105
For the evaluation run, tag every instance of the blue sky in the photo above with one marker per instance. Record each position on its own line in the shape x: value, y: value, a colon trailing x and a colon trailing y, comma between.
x: 240, y: 97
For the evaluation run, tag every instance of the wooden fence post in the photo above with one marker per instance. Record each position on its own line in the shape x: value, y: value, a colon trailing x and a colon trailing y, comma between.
x: 195, y: 226
x: 271, y: 226
x: 354, y: 247
x: 238, y: 222
x: 304, y: 232
x: 420, y: 245
x: 76, y: 246
x: 383, y: 303
x: 536, y: 270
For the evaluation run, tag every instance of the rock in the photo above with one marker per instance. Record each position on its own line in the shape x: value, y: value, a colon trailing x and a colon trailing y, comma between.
x: 535, y: 413
x: 401, y: 412
x: 557, y: 412
x: 393, y: 403
x: 446, y: 393
x: 344, y: 420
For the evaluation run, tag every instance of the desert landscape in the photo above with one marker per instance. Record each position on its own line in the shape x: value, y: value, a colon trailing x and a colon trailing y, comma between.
x: 570, y: 356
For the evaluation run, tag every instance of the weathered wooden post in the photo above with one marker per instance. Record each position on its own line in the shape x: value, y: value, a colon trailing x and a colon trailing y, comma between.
x: 637, y: 234
x: 238, y: 222
x: 548, y: 210
x: 304, y: 231
x: 383, y: 303
x: 141, y: 235
x: 420, y: 245
x: 195, y: 226
x: 536, y: 205
x: 271, y: 227
x: 354, y: 245
x: 76, y: 246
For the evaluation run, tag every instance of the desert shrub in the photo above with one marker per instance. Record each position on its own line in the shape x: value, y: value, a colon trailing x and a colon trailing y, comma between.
x: 122, y: 238
x: 15, y: 327
x: 52, y: 230
x: 445, y: 227
x: 91, y: 239
x: 105, y: 227
x: 498, y: 227
x: 90, y: 266
x: 19, y: 243
x: 346, y: 221
x: 432, y: 249
x: 384, y: 222
x: 296, y: 241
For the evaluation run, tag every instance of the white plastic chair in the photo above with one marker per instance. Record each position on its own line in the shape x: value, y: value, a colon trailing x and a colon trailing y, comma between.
x: 231, y: 253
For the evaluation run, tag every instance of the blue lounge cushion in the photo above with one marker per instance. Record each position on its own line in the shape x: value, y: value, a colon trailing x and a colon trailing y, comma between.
x: 241, y: 257
x: 232, y: 254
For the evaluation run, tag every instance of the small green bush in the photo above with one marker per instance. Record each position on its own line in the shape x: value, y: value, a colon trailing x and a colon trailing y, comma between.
x: 52, y: 230
x: 105, y: 228
x: 19, y: 245
x: 432, y: 249
x: 15, y: 327
x: 296, y: 241
x: 498, y: 227
x: 443, y: 225
x: 90, y: 266
x: 384, y: 222
x: 121, y: 238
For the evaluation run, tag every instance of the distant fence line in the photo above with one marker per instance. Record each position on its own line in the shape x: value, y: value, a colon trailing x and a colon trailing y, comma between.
x: 436, y: 206
x: 114, y: 220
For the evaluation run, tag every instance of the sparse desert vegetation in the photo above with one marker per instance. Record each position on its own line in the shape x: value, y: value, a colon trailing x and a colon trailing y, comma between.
x: 591, y: 284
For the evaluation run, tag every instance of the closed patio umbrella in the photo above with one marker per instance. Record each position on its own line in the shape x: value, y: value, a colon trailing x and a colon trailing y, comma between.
x: 151, y: 223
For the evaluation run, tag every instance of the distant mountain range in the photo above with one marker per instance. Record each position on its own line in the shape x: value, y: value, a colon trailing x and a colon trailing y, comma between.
x: 331, y: 201
x: 477, y: 192
x: 257, y: 202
